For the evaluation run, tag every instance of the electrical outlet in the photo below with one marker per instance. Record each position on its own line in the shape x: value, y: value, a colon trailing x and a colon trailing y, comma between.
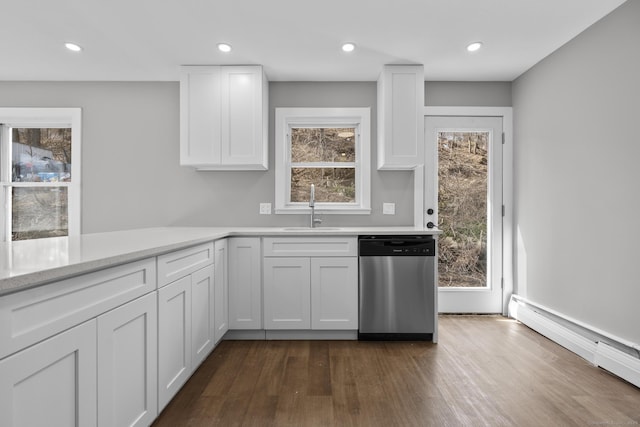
x: 265, y: 208
x: 389, y: 208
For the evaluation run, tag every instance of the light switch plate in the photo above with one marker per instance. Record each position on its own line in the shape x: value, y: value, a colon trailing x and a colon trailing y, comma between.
x: 389, y: 208
x: 265, y: 208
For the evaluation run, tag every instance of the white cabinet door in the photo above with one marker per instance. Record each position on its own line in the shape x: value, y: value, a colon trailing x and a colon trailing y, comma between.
x: 287, y: 298
x: 174, y: 338
x: 200, y: 116
x: 400, y: 117
x: 245, y: 283
x: 244, y: 116
x: 202, y: 315
x: 127, y: 364
x: 52, y: 383
x: 221, y: 284
x: 334, y: 293
x: 224, y: 117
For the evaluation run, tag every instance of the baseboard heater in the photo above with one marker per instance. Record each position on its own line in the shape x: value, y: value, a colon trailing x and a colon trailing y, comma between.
x: 617, y: 356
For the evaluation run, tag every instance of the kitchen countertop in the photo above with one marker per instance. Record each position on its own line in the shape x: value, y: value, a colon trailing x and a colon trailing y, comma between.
x: 30, y: 263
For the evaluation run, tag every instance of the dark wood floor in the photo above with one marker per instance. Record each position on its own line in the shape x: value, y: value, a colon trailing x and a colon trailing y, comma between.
x: 485, y: 371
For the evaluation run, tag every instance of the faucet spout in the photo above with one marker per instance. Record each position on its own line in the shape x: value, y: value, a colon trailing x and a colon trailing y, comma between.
x: 312, y: 204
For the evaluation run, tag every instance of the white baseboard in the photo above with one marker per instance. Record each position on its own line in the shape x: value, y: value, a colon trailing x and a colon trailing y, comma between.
x: 311, y: 335
x: 290, y: 335
x: 241, y: 334
x: 585, y: 341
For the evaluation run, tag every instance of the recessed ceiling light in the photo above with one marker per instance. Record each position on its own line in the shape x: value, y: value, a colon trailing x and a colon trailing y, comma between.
x: 474, y: 46
x: 348, y: 47
x: 73, y: 47
x: 224, y: 47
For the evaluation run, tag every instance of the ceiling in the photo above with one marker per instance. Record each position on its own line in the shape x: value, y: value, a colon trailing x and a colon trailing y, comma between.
x: 295, y: 40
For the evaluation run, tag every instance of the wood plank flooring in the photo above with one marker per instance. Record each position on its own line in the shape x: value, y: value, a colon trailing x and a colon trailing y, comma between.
x: 485, y: 371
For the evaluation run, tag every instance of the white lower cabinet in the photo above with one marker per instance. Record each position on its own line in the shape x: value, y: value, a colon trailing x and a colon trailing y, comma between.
x: 221, y: 286
x: 185, y: 330
x: 202, y: 315
x: 311, y: 293
x: 304, y: 291
x: 107, y: 348
x: 287, y: 293
x: 245, y: 284
x: 36, y: 314
x: 127, y: 364
x: 174, y: 338
x: 334, y: 293
x: 52, y: 383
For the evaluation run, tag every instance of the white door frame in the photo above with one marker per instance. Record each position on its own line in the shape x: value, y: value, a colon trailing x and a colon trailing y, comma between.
x: 507, y: 185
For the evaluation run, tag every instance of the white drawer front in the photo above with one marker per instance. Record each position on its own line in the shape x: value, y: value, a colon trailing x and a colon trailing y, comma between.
x: 174, y: 265
x: 310, y: 246
x: 35, y: 314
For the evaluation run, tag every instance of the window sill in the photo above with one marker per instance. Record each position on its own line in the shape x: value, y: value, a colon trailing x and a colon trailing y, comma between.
x: 323, y: 211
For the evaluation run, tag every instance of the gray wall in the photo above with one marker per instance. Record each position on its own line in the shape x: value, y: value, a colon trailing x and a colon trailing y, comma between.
x: 130, y: 154
x: 130, y: 172
x: 467, y: 94
x: 576, y: 176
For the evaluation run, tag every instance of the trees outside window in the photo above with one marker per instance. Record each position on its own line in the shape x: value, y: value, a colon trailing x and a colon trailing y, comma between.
x: 327, y: 147
x: 39, y: 170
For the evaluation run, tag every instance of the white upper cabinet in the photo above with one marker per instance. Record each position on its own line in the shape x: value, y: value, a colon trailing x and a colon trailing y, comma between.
x: 224, y: 117
x: 244, y: 117
x: 400, y: 117
x: 200, y: 116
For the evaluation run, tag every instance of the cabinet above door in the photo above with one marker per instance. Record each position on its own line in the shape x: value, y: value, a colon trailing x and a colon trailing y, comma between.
x: 400, y: 117
x: 224, y: 117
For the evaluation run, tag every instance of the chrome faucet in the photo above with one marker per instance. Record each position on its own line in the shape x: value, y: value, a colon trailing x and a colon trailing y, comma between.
x: 312, y: 205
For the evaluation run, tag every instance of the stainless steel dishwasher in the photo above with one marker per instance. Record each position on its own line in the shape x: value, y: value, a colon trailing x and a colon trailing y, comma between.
x: 396, y: 283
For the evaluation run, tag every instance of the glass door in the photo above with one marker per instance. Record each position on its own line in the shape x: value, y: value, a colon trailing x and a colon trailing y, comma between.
x: 463, y: 196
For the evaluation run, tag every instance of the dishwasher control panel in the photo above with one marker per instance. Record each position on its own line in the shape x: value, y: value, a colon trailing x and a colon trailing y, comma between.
x: 414, y: 251
x: 397, y: 246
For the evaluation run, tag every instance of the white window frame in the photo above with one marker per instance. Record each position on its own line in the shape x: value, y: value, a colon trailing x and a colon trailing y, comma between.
x: 359, y: 118
x: 40, y: 118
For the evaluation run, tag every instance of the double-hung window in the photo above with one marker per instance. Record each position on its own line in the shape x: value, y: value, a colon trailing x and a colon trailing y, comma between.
x: 326, y: 147
x: 39, y: 172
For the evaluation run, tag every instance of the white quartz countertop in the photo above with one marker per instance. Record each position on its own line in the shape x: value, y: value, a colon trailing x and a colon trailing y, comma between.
x: 30, y: 263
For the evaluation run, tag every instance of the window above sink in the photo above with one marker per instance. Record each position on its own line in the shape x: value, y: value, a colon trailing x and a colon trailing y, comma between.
x: 327, y: 147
